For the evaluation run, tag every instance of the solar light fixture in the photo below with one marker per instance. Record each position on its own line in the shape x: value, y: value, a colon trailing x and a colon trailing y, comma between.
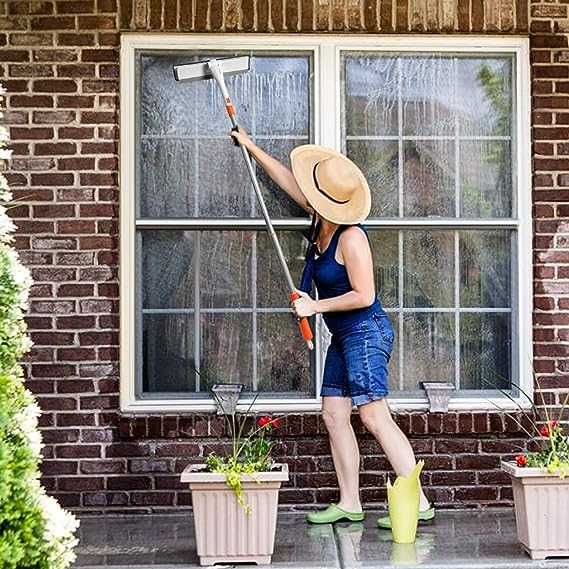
x: 226, y: 396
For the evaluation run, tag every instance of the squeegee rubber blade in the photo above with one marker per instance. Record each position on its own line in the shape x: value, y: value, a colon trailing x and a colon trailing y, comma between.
x: 199, y: 70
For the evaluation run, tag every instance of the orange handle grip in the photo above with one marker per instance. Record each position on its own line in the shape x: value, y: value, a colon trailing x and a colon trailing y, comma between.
x: 303, y: 323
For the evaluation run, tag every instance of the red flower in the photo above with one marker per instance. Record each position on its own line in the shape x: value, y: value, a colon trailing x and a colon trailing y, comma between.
x: 268, y: 422
x: 263, y: 421
x: 547, y: 430
x: 521, y: 460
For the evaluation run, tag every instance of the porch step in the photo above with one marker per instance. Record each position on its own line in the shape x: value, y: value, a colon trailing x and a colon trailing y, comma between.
x: 456, y: 540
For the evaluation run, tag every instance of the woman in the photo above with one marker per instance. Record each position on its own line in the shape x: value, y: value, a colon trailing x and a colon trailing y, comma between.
x: 331, y: 187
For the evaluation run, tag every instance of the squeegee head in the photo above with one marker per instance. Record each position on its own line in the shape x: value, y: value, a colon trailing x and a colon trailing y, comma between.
x: 201, y: 69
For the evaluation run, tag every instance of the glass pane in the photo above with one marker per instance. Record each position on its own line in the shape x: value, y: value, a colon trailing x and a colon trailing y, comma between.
x: 379, y: 162
x: 168, y: 176
x: 428, y: 269
x: 168, y: 353
x: 485, y: 269
x: 369, y: 87
x: 165, y: 105
x: 385, y: 251
x: 226, y: 354
x: 184, y: 149
x: 271, y: 284
x: 281, y: 87
x: 225, y: 269
x: 428, y: 86
x: 224, y: 184
x: 428, y: 178
x: 167, y: 269
x: 484, y: 95
x: 429, y: 345
x: 283, y: 364
x: 485, y: 351
x: 278, y: 203
x: 485, y: 178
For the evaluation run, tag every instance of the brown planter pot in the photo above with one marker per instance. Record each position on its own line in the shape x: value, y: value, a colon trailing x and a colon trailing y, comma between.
x: 225, y: 533
x: 541, y: 501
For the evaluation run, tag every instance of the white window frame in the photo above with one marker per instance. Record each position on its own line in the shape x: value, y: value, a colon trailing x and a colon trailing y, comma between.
x: 326, y: 50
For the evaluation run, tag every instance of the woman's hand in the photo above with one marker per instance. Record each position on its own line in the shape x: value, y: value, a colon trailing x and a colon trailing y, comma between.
x: 304, y: 306
x: 242, y: 137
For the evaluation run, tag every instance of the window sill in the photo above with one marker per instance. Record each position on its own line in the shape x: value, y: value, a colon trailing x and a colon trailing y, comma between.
x: 397, y: 404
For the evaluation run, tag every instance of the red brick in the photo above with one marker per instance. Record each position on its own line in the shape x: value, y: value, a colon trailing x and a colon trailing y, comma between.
x: 31, y: 101
x: 52, y: 23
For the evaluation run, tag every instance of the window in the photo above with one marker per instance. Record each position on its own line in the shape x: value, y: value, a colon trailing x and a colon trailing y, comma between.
x: 440, y: 128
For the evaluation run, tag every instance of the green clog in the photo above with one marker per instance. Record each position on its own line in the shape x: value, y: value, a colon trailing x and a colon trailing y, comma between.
x: 333, y: 514
x: 424, y: 517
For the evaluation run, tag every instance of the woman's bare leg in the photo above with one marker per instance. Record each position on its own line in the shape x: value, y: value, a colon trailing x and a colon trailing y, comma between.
x: 377, y: 418
x: 336, y: 412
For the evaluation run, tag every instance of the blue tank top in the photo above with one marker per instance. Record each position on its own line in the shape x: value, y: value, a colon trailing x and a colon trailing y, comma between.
x: 331, y: 279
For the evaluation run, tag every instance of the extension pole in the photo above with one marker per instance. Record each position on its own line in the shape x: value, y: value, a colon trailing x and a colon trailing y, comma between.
x: 303, y: 323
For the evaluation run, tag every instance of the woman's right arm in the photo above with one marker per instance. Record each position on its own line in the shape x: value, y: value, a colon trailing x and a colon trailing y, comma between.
x: 277, y: 171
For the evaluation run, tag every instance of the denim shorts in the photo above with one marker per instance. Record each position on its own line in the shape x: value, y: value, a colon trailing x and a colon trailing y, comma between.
x: 357, y: 361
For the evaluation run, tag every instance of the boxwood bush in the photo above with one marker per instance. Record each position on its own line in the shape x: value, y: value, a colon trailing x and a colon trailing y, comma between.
x: 35, y: 532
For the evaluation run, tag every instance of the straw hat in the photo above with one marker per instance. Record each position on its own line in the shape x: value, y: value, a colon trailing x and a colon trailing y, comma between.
x: 333, y: 185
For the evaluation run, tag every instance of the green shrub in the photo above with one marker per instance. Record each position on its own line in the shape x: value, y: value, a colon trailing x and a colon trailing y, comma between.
x: 35, y: 532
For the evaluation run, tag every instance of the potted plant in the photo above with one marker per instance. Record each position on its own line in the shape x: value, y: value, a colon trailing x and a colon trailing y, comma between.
x: 235, y: 497
x: 541, y: 488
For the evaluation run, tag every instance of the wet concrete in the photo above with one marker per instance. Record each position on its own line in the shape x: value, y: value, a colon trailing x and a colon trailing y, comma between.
x: 461, y: 540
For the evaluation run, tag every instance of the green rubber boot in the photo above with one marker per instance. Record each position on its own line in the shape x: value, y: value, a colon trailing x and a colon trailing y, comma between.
x: 333, y: 514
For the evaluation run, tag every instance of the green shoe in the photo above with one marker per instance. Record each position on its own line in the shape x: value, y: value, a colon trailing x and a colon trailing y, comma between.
x: 424, y: 517
x: 333, y: 514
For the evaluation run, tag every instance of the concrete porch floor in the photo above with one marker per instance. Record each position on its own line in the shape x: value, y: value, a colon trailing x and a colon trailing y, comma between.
x: 458, y: 539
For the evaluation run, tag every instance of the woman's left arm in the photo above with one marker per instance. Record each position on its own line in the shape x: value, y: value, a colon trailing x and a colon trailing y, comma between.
x: 356, y: 254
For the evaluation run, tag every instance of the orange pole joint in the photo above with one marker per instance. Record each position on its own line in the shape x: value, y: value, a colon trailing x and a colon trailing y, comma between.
x: 303, y: 323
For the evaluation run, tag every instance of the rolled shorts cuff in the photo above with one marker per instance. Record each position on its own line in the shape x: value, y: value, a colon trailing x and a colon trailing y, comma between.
x: 365, y: 398
x: 327, y: 391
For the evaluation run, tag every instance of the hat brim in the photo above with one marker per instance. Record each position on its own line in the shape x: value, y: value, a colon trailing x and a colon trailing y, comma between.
x: 303, y: 159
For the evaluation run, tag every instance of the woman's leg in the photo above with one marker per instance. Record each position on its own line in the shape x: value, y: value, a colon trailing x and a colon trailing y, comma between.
x: 336, y: 412
x: 377, y: 418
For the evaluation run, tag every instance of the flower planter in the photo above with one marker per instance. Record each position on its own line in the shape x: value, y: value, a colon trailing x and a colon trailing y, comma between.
x: 225, y: 533
x: 541, y: 502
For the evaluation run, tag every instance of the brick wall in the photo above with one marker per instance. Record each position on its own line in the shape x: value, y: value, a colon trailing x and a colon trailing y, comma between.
x: 59, y: 62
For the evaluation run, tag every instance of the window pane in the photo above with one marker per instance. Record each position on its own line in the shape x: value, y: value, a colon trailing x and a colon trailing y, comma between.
x: 224, y: 189
x: 225, y: 269
x: 379, y: 162
x: 427, y: 91
x: 429, y: 346
x: 485, y: 269
x: 485, y: 178
x: 167, y: 174
x: 385, y: 251
x: 284, y: 364
x: 370, y: 90
x: 280, y: 205
x: 428, y: 178
x: 485, y: 351
x: 428, y: 269
x: 271, y: 284
x: 484, y: 93
x: 226, y: 355
x: 167, y: 269
x: 187, y: 166
x: 168, y: 363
